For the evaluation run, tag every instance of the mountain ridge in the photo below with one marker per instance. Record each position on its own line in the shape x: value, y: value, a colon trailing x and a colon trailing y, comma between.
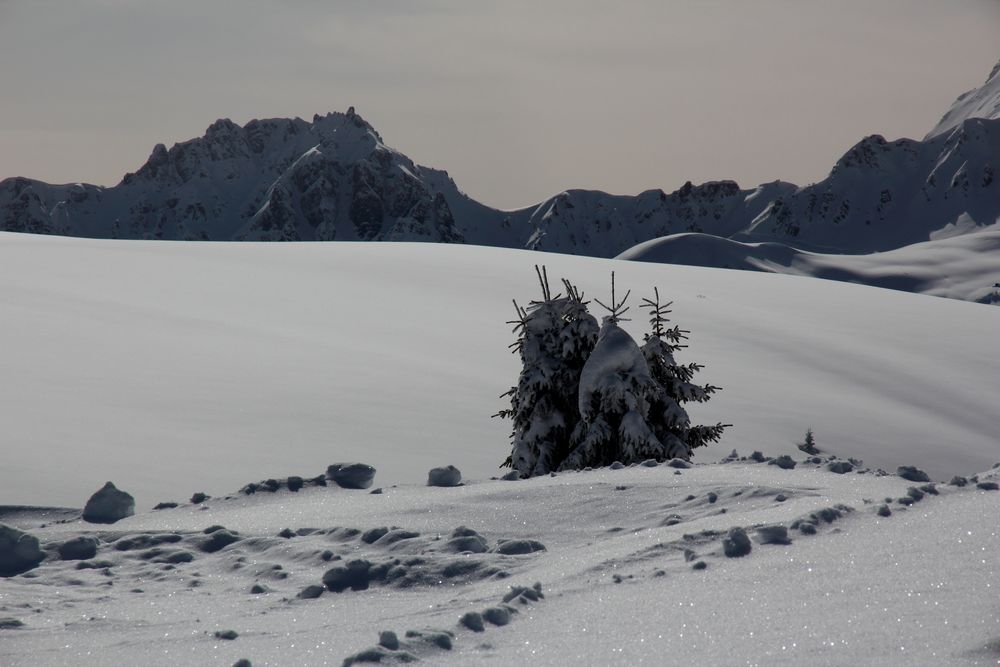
x: 334, y: 178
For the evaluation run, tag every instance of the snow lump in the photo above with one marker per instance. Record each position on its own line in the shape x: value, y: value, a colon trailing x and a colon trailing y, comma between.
x: 78, y: 548
x: 446, y: 476
x: 19, y: 551
x: 108, y: 505
x: 351, y: 475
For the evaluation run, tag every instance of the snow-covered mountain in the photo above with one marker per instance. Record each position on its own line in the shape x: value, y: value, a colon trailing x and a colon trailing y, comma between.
x: 270, y: 180
x: 335, y: 179
x: 982, y: 102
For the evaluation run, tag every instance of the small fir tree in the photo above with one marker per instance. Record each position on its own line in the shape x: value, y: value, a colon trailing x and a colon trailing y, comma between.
x: 668, y: 418
x: 554, y: 338
x: 809, y: 444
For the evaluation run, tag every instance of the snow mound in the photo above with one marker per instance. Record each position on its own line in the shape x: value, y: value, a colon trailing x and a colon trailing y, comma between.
x: 965, y: 266
x: 216, y: 352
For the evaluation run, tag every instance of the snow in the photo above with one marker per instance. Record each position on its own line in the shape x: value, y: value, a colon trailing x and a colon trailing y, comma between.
x: 228, y: 353
x: 962, y: 262
x: 913, y: 588
x: 170, y: 368
x: 982, y: 102
x: 614, y: 369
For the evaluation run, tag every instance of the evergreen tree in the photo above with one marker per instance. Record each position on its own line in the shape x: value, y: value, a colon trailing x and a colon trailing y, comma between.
x: 555, y: 338
x: 809, y: 445
x: 616, y: 394
x: 668, y: 418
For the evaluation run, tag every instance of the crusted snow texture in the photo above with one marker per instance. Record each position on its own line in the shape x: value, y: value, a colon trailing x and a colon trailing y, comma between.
x: 556, y: 338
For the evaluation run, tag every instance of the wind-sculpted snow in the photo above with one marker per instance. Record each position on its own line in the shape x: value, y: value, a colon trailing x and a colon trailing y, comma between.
x: 779, y: 566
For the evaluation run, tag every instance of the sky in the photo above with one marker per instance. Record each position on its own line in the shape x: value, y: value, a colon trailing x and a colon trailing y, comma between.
x: 517, y: 100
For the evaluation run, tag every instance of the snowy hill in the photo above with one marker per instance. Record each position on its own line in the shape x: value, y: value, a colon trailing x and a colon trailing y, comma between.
x: 199, y: 351
x: 335, y: 179
x: 184, y: 367
x: 964, y: 266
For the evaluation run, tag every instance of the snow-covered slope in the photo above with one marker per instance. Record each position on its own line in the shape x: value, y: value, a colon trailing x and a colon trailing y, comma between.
x: 982, y: 102
x: 963, y: 266
x: 130, y: 360
x: 182, y: 367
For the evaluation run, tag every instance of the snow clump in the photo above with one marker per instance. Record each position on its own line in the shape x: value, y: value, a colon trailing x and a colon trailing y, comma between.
x: 108, y: 505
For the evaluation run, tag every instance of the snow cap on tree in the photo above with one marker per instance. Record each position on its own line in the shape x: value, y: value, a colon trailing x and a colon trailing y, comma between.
x: 615, y: 392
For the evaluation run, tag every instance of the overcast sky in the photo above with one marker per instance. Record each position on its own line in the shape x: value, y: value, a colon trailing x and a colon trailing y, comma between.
x: 517, y: 100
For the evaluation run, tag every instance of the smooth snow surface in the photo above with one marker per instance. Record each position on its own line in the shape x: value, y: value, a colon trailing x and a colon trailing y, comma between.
x: 171, y: 368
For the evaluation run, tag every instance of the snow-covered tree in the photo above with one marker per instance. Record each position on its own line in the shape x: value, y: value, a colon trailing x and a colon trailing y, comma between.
x: 668, y: 418
x: 589, y: 398
x: 555, y: 338
x: 809, y: 444
x: 617, y: 392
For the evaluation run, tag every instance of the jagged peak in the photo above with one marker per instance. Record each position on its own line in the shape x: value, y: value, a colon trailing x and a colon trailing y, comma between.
x: 335, y: 121
x: 708, y: 188
x: 349, y: 135
x: 863, y: 154
x: 222, y: 126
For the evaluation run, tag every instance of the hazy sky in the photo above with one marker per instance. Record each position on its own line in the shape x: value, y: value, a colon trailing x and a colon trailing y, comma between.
x: 517, y: 100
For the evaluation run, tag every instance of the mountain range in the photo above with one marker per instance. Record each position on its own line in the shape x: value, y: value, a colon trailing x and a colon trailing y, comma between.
x: 334, y: 179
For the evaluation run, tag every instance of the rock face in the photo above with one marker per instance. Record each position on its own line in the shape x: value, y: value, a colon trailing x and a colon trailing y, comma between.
x: 108, y: 505
x: 19, y: 551
x: 446, y: 476
x: 351, y: 475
